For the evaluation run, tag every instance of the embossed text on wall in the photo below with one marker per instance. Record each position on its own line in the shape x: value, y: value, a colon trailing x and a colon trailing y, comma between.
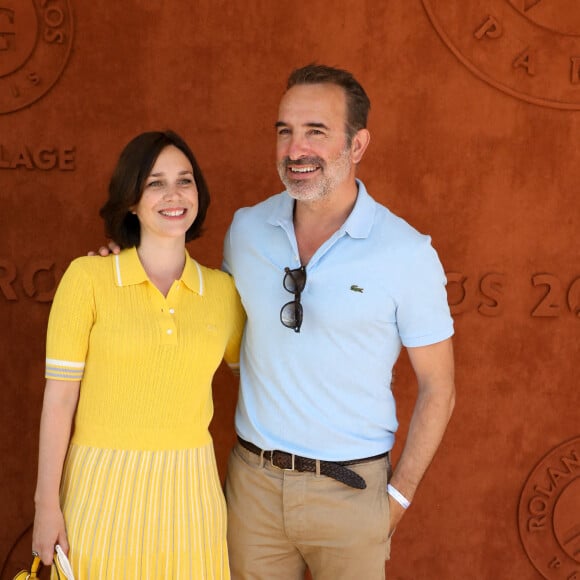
x: 529, y: 49
x: 549, y: 519
x: 35, y: 42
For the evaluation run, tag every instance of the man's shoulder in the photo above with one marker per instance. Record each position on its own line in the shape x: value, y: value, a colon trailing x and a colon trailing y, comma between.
x: 259, y: 210
x: 255, y: 221
x: 392, y: 229
x: 397, y: 230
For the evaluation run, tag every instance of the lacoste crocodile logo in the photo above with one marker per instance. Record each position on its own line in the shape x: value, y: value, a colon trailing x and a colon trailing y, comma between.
x: 356, y: 288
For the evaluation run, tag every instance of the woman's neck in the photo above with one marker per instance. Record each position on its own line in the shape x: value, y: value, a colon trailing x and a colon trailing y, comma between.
x: 163, y: 262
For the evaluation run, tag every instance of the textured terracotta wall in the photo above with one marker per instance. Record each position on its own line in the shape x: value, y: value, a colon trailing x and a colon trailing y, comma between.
x: 475, y: 124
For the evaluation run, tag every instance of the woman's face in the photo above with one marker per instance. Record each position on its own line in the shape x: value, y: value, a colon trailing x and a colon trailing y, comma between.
x: 169, y: 203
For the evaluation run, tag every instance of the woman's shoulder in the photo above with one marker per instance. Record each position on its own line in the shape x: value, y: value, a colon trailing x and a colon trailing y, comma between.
x: 215, y: 280
x: 215, y: 274
x: 90, y: 268
x: 90, y: 264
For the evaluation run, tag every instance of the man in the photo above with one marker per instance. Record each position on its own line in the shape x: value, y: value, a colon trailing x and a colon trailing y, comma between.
x: 333, y: 284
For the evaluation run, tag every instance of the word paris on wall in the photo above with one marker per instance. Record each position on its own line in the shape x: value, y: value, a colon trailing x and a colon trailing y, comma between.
x: 490, y: 294
x: 529, y: 49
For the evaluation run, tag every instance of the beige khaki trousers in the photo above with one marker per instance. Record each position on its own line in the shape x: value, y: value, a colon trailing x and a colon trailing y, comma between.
x: 280, y: 522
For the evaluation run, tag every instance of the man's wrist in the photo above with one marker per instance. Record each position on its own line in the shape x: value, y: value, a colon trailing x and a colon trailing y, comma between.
x: 398, y: 496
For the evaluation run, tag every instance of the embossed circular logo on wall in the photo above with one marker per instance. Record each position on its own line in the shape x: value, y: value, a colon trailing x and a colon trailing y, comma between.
x: 35, y: 43
x: 529, y: 49
x: 549, y: 513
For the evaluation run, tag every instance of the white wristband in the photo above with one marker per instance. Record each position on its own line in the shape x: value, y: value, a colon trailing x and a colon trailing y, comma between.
x: 398, y: 496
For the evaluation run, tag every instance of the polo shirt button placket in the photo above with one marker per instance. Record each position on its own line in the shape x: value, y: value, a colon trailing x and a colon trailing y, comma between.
x: 168, y: 325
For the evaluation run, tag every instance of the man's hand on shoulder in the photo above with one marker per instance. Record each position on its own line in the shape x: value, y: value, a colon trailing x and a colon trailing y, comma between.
x: 111, y: 248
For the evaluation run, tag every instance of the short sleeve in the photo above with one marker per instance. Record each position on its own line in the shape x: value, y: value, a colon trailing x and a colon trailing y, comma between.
x: 423, y: 315
x: 226, y: 263
x: 69, y: 326
x: 238, y: 321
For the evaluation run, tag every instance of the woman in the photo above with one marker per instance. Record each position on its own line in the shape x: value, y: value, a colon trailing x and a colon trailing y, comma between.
x: 135, y: 339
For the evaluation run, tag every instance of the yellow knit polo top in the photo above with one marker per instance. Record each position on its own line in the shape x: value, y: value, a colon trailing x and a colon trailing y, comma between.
x: 145, y: 361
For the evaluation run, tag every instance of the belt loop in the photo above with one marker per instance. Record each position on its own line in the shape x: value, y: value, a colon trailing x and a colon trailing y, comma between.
x: 261, y: 459
x: 318, y: 468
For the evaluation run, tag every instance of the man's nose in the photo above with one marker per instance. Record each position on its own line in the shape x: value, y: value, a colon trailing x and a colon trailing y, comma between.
x: 297, y: 147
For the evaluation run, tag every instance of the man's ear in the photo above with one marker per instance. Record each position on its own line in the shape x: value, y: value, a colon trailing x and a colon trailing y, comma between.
x: 359, y: 145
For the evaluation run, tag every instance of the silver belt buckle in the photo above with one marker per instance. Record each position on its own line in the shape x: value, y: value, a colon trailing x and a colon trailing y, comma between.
x: 282, y: 468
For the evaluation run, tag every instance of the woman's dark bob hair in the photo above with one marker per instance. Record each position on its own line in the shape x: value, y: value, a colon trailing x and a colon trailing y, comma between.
x: 128, y: 182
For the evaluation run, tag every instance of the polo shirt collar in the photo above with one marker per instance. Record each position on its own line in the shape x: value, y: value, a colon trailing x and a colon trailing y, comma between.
x: 129, y: 271
x: 360, y: 221
x: 357, y: 225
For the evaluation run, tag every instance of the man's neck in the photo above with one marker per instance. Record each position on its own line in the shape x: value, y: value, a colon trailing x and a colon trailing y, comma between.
x: 315, y: 222
x: 332, y: 210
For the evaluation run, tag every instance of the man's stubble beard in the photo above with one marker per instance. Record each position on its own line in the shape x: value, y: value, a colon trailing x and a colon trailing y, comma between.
x: 331, y: 176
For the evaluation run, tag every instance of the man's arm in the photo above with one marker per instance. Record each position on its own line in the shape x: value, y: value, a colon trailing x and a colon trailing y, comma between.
x: 434, y: 369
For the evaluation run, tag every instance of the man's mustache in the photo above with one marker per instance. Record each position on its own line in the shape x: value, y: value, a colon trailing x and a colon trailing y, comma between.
x: 286, y: 161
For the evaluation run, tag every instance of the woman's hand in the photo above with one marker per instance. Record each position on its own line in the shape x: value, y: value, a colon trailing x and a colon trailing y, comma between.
x: 49, y: 530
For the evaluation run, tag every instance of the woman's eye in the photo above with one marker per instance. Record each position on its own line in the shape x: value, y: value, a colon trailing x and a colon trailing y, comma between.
x: 154, y: 184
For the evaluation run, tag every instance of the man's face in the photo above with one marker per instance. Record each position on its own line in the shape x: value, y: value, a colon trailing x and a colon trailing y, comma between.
x: 313, y: 157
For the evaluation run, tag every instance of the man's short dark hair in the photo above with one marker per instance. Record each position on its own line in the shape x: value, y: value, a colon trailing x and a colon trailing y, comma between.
x: 128, y: 182
x: 357, y: 102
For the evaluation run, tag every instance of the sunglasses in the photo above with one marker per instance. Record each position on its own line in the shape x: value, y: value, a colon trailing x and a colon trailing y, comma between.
x: 291, y: 313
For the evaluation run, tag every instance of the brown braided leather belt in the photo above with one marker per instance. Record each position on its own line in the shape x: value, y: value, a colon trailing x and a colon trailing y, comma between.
x: 335, y: 469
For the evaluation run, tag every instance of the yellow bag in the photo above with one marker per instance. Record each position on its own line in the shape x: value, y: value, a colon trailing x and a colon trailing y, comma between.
x: 60, y: 563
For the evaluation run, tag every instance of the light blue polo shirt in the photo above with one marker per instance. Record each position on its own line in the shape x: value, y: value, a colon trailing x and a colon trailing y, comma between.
x: 375, y: 285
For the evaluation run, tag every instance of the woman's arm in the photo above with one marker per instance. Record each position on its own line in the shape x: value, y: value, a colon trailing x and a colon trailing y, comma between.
x: 58, y: 409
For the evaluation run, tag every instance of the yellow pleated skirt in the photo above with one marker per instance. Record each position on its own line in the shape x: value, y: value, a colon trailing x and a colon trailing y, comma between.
x: 144, y: 514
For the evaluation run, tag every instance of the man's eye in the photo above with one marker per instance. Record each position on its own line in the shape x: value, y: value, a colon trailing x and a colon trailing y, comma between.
x: 283, y: 131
